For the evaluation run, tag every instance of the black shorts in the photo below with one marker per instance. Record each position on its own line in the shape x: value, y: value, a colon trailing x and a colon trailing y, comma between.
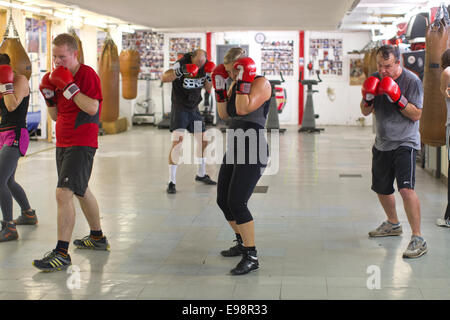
x: 74, y: 165
x: 399, y: 164
x: 180, y: 119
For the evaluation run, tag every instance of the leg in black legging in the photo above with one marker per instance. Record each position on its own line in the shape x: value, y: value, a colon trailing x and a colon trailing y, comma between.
x: 8, y: 163
x: 447, y: 212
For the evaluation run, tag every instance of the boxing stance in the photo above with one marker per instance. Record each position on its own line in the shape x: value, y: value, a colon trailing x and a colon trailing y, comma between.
x: 14, y: 139
x: 445, y: 89
x: 247, y: 104
x: 189, y: 76
x: 73, y: 95
x: 395, y: 95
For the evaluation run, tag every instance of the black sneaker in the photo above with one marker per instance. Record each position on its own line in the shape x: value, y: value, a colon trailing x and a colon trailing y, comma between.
x: 171, y: 188
x: 235, y: 251
x: 8, y: 232
x: 249, y: 262
x: 205, y: 179
x: 27, y: 218
x: 89, y: 243
x: 53, y: 261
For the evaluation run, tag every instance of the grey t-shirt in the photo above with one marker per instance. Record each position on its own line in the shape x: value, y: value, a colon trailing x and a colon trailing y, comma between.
x: 393, y: 128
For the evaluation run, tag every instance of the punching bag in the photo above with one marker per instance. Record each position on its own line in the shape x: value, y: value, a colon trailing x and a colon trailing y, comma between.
x: 373, y: 61
x: 20, y: 62
x: 129, y: 69
x: 109, y: 77
x: 366, y: 64
x: 80, y: 46
x: 434, y: 114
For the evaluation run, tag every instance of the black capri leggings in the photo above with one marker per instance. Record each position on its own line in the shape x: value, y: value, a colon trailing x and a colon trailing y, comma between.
x: 9, y: 188
x: 236, y: 181
x: 235, y: 186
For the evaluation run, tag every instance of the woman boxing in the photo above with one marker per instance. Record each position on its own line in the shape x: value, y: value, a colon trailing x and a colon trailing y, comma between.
x: 14, y: 139
x: 247, y: 103
x: 445, y: 89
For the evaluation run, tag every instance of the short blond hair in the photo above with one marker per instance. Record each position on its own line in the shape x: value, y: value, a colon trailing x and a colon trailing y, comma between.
x: 233, y: 54
x: 66, y: 39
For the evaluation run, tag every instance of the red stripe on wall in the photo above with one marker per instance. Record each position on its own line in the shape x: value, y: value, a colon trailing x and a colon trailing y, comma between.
x: 301, y: 68
x: 208, y: 46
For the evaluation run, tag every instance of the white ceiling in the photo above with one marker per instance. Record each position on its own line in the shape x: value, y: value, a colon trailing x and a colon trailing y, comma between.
x: 378, y: 16
x: 220, y: 15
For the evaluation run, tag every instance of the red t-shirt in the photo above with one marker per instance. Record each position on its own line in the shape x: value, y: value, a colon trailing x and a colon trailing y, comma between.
x: 74, y: 127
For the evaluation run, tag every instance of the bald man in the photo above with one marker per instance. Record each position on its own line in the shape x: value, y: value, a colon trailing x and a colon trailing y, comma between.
x: 189, y: 75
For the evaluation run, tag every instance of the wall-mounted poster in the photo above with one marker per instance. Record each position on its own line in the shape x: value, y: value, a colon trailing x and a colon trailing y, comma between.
x: 357, y: 76
x: 150, y: 46
x: 179, y: 46
x: 326, y: 56
x: 276, y: 57
x: 36, y: 35
x: 101, y: 36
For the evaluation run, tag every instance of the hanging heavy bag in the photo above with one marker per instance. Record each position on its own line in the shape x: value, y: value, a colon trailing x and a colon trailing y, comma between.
x: 434, y: 113
x: 80, y: 46
x: 109, y: 77
x: 20, y: 62
x: 366, y: 64
x: 373, y: 61
x: 129, y: 69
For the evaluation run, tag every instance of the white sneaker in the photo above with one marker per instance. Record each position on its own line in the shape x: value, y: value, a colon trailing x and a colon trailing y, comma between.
x: 443, y: 222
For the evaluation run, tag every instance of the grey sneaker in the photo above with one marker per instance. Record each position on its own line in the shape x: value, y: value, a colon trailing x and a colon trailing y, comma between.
x: 27, y: 218
x: 386, y: 229
x: 416, y: 248
x: 443, y: 222
x: 89, y: 243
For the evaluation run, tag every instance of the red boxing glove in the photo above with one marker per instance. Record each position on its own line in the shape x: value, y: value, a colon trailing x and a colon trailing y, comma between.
x: 187, y: 70
x: 370, y: 89
x: 48, y: 89
x: 209, y: 68
x: 6, y: 79
x: 391, y: 89
x: 247, y: 73
x: 219, y: 76
x: 62, y: 78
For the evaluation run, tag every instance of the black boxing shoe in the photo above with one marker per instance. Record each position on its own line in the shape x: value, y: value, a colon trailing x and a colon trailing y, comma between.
x: 248, y: 263
x: 234, y: 251
x: 171, y: 188
x: 205, y: 179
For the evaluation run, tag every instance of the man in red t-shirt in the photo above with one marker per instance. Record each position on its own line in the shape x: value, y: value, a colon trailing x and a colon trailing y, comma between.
x: 74, y: 99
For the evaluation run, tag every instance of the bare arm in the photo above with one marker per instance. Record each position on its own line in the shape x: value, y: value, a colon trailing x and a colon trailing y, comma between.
x: 365, y: 110
x: 222, y: 110
x: 87, y: 104
x: 21, y: 90
x: 53, y: 112
x: 168, y: 76
x: 445, y: 82
x: 412, y: 112
x: 259, y: 93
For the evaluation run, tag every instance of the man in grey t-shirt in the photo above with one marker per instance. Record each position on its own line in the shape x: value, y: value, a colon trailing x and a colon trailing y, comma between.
x: 395, y: 96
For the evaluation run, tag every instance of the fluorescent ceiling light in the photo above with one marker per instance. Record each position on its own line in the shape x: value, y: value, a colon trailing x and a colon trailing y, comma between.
x: 95, y: 23
x: 68, y: 17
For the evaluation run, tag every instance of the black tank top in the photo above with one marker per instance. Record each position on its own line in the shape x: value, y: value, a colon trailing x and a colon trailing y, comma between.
x: 186, y: 91
x: 256, y: 119
x: 15, y: 119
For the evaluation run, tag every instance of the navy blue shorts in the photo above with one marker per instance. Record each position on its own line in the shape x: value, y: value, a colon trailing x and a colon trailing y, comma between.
x: 399, y: 164
x: 180, y: 119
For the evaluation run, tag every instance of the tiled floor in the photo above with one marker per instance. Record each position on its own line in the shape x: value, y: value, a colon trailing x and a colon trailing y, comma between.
x: 311, y: 228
